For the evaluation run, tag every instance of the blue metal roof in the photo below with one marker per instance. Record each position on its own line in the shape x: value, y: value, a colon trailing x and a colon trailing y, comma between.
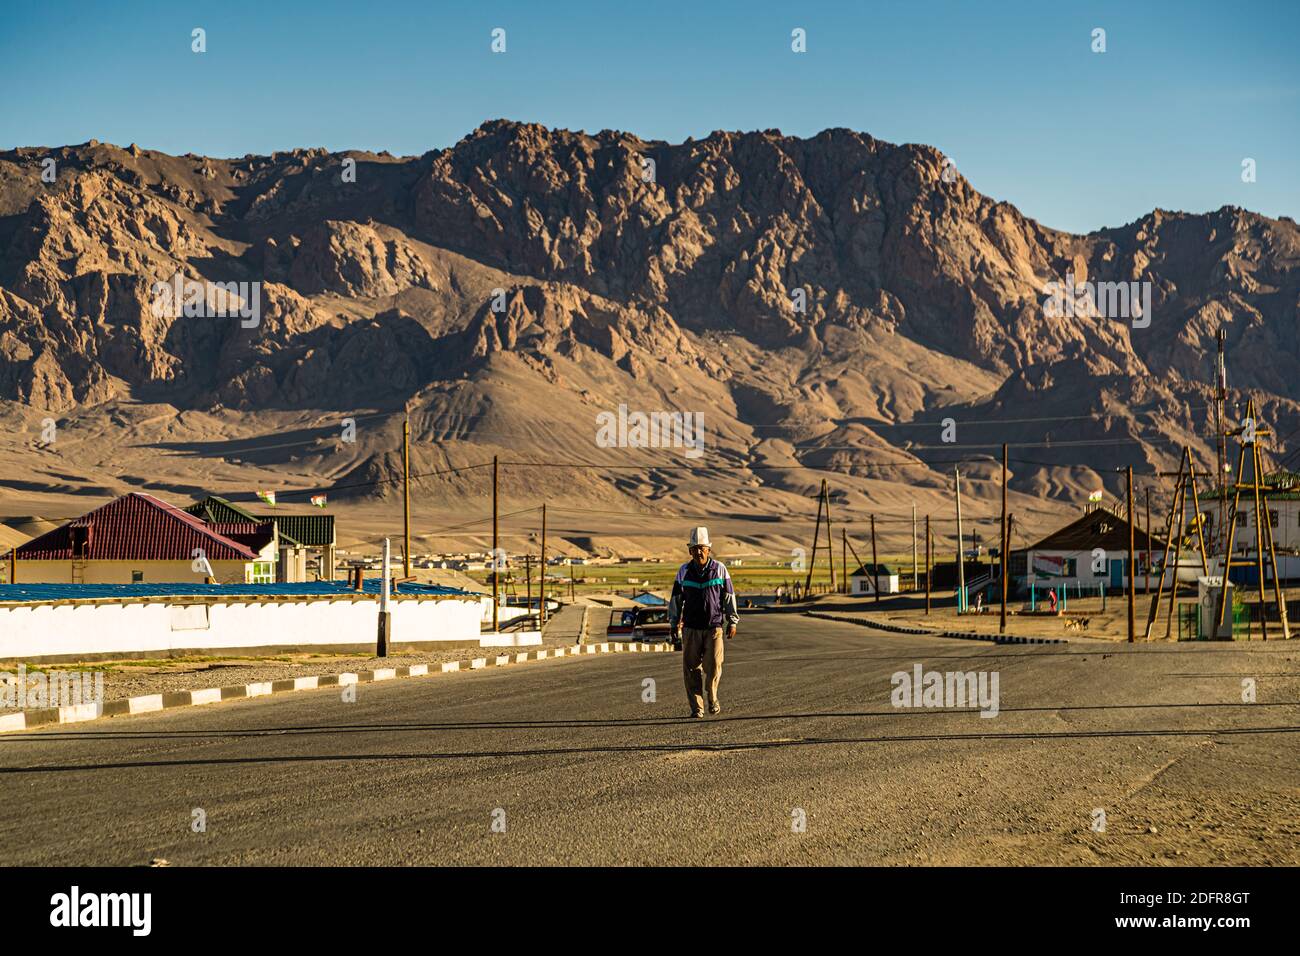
x: 74, y: 592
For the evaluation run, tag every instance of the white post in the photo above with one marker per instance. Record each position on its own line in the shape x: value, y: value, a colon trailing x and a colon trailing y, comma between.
x: 385, y: 618
x: 383, y: 600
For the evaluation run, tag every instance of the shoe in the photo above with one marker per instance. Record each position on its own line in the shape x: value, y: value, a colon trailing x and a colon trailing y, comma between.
x: 697, y: 713
x: 715, y: 708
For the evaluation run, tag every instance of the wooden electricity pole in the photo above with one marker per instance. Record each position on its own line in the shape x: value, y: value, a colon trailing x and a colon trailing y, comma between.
x: 854, y: 551
x: 497, y: 563
x: 406, y: 497
x: 914, y: 579
x: 961, y: 557
x: 1002, y: 553
x: 929, y: 541
x: 875, y: 563
x: 1174, y: 527
x: 817, y: 531
x: 1147, y: 549
x: 844, y: 558
x: 1250, y: 432
x: 542, y: 584
x: 528, y: 580
x: 830, y: 541
x: 1132, y: 566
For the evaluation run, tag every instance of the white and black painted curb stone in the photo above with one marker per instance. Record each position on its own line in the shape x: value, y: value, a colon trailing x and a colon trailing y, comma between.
x: 959, y: 635
x: 79, y: 713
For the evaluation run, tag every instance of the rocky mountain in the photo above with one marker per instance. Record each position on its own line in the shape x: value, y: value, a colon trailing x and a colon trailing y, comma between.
x: 825, y: 303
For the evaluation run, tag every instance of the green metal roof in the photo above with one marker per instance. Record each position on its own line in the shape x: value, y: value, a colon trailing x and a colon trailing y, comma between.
x: 314, y: 531
x: 220, y: 511
x: 310, y: 531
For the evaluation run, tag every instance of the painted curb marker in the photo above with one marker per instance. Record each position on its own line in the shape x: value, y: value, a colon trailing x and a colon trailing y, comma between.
x: 170, y: 700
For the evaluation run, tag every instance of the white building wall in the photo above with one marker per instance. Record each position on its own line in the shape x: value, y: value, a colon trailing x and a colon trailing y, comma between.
x: 1286, y: 530
x: 39, y: 630
x: 866, y: 584
x: 1083, y: 567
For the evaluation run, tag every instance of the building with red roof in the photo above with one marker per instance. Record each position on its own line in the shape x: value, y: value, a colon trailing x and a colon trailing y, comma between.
x: 141, y: 539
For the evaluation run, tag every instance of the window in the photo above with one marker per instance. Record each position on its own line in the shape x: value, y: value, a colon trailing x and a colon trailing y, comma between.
x: 263, y: 572
x: 137, y: 577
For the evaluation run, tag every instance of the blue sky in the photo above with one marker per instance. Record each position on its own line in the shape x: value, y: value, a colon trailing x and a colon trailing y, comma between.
x: 1011, y: 91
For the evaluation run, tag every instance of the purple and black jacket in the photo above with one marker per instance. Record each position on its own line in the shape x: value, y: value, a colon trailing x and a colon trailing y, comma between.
x: 703, y: 597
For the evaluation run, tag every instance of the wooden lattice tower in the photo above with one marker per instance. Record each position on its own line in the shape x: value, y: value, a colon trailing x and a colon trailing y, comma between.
x: 1250, y: 481
x: 1174, y: 534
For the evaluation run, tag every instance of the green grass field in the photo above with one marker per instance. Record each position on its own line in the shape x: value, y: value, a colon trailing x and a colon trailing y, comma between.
x: 749, y: 575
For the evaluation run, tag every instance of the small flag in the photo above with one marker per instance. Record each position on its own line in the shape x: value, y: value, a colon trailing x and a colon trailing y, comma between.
x: 268, y: 497
x: 1095, y: 496
x: 318, y: 500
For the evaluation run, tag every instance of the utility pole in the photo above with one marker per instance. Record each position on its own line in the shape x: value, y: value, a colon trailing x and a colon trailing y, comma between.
x: 1147, y: 549
x: 914, y: 582
x: 812, y: 560
x: 570, y: 581
x: 830, y: 547
x: 929, y: 541
x: 853, y: 551
x: 406, y: 496
x: 844, y: 557
x: 961, y: 557
x: 497, y: 563
x: 1002, y: 552
x: 528, y: 580
x: 1132, y: 567
x: 875, y: 564
x: 1221, y: 440
x: 542, y: 584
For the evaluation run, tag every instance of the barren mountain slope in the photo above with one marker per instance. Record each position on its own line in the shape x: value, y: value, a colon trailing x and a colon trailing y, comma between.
x: 512, y: 288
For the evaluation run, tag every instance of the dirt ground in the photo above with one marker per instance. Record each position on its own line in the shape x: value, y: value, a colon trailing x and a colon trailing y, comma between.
x: 1077, y: 618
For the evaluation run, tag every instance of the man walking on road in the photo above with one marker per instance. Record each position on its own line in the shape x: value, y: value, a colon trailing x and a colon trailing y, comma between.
x: 703, y: 605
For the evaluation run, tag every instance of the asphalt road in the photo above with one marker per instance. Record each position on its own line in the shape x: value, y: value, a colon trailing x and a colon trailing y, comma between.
x: 564, y: 762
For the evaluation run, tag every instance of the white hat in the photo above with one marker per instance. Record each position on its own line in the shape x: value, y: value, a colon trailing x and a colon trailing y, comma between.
x: 700, y: 536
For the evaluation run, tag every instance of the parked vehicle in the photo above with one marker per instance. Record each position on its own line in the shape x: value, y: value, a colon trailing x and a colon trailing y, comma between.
x: 647, y: 624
